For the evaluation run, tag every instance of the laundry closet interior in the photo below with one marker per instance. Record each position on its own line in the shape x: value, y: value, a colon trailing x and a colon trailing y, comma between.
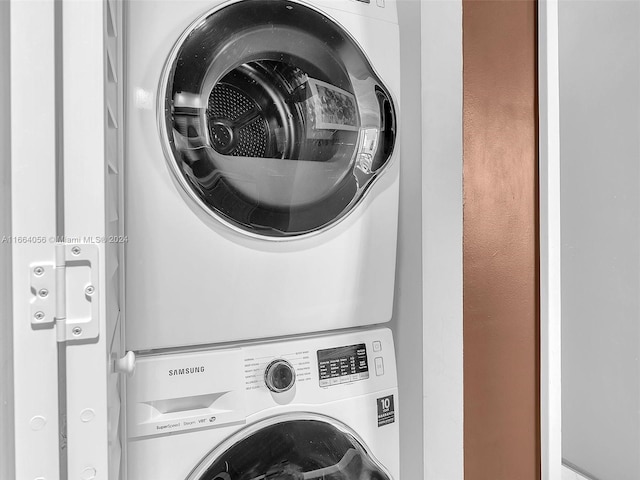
x: 229, y: 284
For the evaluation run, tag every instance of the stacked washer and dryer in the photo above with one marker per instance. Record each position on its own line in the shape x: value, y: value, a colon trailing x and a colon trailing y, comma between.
x: 261, y: 187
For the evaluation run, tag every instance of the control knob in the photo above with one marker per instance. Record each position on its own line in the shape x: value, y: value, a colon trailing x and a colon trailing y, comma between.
x: 279, y: 376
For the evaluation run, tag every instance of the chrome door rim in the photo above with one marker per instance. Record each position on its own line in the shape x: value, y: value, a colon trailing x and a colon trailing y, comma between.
x: 178, y: 175
x: 239, y: 436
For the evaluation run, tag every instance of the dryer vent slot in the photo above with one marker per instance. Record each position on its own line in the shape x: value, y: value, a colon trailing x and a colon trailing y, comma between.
x: 184, y: 404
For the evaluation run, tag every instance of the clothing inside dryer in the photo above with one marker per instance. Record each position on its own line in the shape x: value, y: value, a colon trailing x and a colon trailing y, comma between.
x: 296, y: 450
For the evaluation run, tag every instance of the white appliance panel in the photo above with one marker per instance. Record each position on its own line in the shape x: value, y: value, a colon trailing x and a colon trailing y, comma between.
x: 355, y: 402
x: 191, y: 280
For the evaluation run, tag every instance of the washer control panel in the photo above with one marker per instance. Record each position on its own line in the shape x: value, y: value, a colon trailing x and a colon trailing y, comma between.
x: 343, y: 364
x: 215, y: 387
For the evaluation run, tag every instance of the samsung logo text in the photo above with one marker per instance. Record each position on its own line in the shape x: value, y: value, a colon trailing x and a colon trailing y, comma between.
x: 185, y: 371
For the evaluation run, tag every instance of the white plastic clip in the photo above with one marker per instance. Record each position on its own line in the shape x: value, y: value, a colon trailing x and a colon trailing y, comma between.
x: 126, y: 364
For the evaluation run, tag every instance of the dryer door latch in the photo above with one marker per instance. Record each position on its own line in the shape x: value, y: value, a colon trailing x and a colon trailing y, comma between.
x: 65, y: 293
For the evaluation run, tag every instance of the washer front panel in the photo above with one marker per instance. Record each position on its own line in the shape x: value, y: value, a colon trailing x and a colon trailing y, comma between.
x: 339, y: 428
x: 274, y: 121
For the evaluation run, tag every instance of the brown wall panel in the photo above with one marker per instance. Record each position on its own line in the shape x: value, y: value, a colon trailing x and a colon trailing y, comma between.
x: 501, y: 326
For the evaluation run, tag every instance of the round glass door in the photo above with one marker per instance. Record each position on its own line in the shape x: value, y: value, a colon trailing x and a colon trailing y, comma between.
x: 273, y: 119
x: 311, y: 447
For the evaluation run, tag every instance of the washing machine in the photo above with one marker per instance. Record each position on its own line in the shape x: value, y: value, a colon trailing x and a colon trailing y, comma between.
x: 317, y: 408
x: 261, y: 168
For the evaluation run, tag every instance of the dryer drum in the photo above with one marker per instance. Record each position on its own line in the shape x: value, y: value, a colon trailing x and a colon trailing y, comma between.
x: 250, y: 113
x: 273, y: 119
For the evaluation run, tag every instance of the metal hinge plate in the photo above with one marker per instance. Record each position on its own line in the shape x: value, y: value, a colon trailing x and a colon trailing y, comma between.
x: 65, y: 293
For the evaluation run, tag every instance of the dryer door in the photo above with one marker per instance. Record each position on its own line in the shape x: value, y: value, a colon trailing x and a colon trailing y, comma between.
x: 289, y: 447
x: 273, y: 119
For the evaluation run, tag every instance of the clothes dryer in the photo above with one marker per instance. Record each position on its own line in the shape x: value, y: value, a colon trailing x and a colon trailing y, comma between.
x: 315, y: 408
x: 261, y: 168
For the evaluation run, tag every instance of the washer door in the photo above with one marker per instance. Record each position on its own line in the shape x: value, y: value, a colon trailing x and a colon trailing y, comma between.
x: 273, y: 120
x: 309, y: 447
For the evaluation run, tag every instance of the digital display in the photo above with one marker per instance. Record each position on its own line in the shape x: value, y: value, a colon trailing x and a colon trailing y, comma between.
x: 342, y: 364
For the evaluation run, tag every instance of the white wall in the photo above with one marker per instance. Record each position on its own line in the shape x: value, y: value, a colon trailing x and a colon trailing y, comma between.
x: 407, y: 322
x: 442, y: 238
x: 600, y: 198
x: 6, y: 322
x: 428, y: 305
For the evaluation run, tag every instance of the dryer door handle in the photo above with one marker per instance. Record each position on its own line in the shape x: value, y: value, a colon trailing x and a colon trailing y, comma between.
x: 387, y: 138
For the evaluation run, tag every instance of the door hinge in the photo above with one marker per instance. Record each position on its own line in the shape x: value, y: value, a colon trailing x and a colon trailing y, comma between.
x: 65, y: 292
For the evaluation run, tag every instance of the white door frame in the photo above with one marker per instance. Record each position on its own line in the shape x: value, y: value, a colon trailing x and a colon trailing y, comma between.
x: 33, y: 230
x: 550, y: 286
x: 88, y: 365
x: 51, y: 121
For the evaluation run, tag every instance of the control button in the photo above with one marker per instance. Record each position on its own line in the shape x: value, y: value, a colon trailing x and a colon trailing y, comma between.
x: 377, y: 346
x: 325, y: 382
x: 380, y: 3
x: 335, y: 380
x: 355, y: 377
x: 379, y: 366
x: 364, y: 375
x: 345, y: 379
x: 279, y: 376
